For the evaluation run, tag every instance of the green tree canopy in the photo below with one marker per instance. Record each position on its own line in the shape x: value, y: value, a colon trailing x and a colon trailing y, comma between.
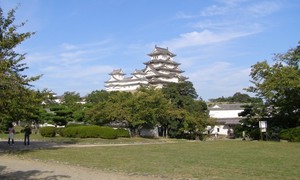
x: 279, y: 86
x: 237, y: 98
x: 97, y: 96
x: 111, y: 107
x: 188, y: 116
x: 16, y: 101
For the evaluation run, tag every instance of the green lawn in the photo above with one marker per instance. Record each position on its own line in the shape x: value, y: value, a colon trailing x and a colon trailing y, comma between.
x: 58, y: 139
x: 187, y: 159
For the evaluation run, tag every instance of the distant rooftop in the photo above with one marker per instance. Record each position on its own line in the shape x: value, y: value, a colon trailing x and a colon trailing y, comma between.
x: 220, y: 106
x: 159, y: 50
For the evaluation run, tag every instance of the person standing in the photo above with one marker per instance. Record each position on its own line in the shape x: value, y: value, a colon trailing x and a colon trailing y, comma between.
x: 11, y: 133
x: 27, y: 132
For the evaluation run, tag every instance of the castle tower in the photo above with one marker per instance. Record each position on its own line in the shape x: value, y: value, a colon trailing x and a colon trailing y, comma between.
x: 159, y: 71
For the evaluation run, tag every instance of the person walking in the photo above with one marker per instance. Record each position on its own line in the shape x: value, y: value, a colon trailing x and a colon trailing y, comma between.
x: 11, y: 133
x: 27, y: 132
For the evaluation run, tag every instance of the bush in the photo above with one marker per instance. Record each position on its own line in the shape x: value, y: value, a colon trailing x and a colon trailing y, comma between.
x: 74, y: 125
x: 254, y: 134
x: 292, y: 134
x: 123, y: 133
x: 90, y: 132
x: 60, y: 131
x: 108, y: 133
x: 48, y: 131
x: 71, y: 132
x: 18, y: 129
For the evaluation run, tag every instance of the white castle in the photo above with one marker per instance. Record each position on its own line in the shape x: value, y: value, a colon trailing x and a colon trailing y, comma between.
x: 160, y: 70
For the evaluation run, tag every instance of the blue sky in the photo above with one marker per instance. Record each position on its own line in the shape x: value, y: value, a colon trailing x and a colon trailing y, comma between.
x: 78, y: 43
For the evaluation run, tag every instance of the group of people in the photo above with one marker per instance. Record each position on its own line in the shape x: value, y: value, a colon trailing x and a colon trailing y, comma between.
x: 11, y: 133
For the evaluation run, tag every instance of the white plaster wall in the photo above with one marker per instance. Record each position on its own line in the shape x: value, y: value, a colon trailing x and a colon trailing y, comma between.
x: 157, y: 65
x: 170, y: 66
x: 224, y: 113
x: 223, y: 129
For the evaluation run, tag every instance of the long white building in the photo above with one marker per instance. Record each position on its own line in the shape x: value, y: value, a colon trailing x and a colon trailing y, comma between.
x: 161, y: 69
x: 227, y: 117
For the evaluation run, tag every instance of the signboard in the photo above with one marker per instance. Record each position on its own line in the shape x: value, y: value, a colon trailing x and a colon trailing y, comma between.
x: 262, y: 124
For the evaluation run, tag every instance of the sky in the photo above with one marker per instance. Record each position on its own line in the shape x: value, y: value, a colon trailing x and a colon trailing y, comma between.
x: 78, y: 43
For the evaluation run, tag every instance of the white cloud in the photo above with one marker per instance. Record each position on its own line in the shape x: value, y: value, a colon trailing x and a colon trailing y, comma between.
x: 67, y: 46
x: 205, y: 37
x: 215, y: 10
x: 77, y: 71
x: 72, y: 67
x: 263, y: 8
x: 221, y: 78
x: 182, y: 15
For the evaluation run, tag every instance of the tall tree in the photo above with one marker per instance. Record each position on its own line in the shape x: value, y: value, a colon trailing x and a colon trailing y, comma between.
x: 15, y: 89
x: 188, y: 116
x: 279, y: 86
x: 112, y: 107
x: 97, y: 96
x: 148, y: 107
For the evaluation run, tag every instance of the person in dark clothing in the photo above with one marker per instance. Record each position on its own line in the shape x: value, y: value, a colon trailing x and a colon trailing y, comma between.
x: 27, y: 132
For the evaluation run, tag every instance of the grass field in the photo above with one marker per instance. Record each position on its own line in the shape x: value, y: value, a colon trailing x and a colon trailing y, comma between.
x: 226, y: 159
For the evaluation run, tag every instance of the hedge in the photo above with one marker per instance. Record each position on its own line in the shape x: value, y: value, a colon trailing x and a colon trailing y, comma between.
x: 292, y: 134
x: 90, y: 132
x: 123, y: 133
x: 48, y: 131
x: 74, y: 125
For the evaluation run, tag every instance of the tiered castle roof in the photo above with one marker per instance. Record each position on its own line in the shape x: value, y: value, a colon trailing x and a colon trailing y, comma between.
x: 159, y: 70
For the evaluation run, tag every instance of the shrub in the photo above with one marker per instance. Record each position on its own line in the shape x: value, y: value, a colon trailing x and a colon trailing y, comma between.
x: 108, y: 133
x: 74, y: 125
x: 18, y: 129
x: 48, y: 131
x: 123, y: 133
x: 71, y: 132
x: 254, y: 134
x: 292, y: 134
x: 60, y: 131
x: 90, y: 132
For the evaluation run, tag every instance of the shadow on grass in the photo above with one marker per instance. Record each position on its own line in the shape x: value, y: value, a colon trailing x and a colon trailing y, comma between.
x: 20, y: 147
x: 31, y: 174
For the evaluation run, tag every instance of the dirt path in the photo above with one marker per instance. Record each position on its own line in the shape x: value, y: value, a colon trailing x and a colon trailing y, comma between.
x: 12, y: 167
x: 15, y: 168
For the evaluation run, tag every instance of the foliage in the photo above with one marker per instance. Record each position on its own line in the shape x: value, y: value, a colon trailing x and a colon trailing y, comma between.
x: 72, y: 103
x: 69, y: 110
x: 279, y: 86
x: 185, y: 117
x: 108, y: 133
x: 97, y: 97
x: 148, y: 107
x: 292, y: 134
x: 17, y: 100
x: 123, y: 133
x: 74, y: 125
x: 62, y: 114
x: 90, y: 132
x: 71, y: 99
x: 60, y: 131
x: 114, y: 108
x: 237, y: 98
x: 48, y: 131
x: 180, y: 94
x: 71, y: 132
